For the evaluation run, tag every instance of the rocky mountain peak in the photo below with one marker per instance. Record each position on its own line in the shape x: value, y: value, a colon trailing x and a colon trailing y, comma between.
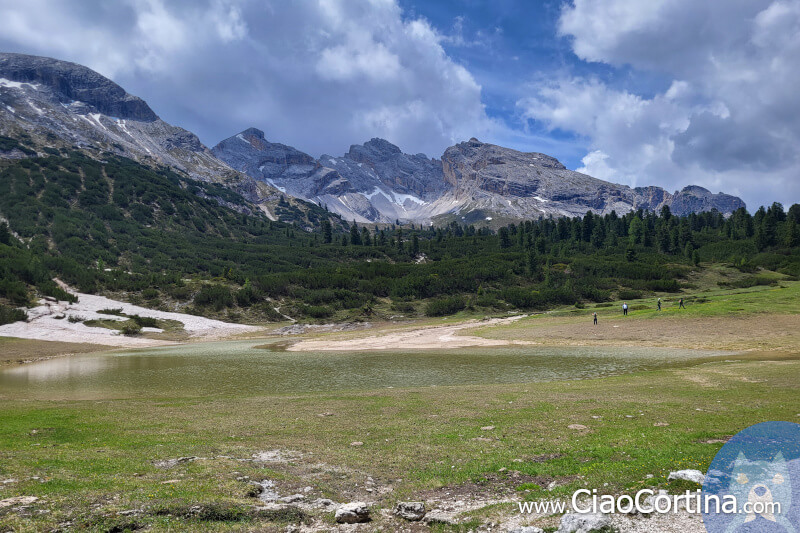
x: 375, y: 149
x: 253, y: 132
x: 70, y: 82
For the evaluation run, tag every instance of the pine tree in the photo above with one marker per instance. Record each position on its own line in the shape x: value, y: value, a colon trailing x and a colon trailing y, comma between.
x: 327, y: 231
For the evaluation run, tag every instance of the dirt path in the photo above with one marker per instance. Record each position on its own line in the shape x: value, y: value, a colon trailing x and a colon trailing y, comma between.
x: 422, y: 338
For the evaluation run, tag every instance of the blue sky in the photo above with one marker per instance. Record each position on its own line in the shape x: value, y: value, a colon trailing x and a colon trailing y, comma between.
x: 663, y: 92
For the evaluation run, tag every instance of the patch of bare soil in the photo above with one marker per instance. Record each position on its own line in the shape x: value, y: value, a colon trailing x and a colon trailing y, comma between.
x: 422, y: 338
x: 724, y: 333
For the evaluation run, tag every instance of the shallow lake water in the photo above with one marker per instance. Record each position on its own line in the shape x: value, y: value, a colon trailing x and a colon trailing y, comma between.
x: 240, y: 368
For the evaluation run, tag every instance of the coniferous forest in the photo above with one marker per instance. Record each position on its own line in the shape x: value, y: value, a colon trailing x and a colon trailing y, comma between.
x: 159, y: 239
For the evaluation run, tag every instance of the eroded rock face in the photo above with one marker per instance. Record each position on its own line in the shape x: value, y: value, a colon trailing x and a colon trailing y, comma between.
x: 71, y: 82
x: 694, y: 199
x: 373, y: 182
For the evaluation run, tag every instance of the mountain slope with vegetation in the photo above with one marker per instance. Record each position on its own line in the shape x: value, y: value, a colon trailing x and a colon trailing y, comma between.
x: 164, y: 240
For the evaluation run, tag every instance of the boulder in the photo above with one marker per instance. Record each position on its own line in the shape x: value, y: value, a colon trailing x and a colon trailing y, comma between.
x: 526, y: 529
x: 412, y: 511
x: 585, y: 523
x: 695, y: 476
x: 352, y: 513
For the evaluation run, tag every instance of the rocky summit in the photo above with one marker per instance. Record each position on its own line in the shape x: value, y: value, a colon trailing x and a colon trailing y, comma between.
x: 62, y: 105
x: 472, y: 182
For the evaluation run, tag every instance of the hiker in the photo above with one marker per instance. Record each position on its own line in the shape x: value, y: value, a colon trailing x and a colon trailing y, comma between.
x: 625, y: 309
x: 680, y: 304
x: 595, y: 318
x: 659, y: 304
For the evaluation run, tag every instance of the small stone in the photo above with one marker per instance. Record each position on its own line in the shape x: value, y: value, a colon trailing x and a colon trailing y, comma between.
x: 577, y: 427
x: 411, y: 511
x: 170, y: 481
x: 352, y: 513
x: 526, y: 529
x: 323, y: 502
x: 293, y: 498
x: 597, y: 417
x: 487, y: 428
x: 325, y: 414
x: 661, y: 424
x: 628, y: 416
x: 356, y: 443
x: 584, y: 523
x: 695, y: 476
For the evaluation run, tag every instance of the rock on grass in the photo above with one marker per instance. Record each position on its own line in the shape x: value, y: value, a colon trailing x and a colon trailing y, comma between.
x: 695, y: 476
x: 352, y: 513
x: 412, y: 511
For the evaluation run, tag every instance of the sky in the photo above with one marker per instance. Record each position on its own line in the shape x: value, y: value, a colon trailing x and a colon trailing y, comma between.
x: 662, y: 92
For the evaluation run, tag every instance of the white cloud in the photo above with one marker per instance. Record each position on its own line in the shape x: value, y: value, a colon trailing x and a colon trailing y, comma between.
x: 317, y: 74
x: 730, y: 118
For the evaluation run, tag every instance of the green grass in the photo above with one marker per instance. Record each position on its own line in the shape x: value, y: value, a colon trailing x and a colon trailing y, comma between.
x: 102, y: 453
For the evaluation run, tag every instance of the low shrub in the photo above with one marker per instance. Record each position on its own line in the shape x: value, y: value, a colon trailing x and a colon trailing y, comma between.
x: 130, y: 327
x: 445, y: 306
x: 145, y: 321
x: 626, y: 294
x: 9, y: 315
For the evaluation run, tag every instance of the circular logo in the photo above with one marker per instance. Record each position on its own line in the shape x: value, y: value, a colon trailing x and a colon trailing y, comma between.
x: 753, y: 483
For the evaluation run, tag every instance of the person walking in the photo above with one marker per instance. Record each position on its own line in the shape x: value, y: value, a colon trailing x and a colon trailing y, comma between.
x: 680, y: 304
x: 595, y: 317
x: 659, y: 304
x: 625, y: 309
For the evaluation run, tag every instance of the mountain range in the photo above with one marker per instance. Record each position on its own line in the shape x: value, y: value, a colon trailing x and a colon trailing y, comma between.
x: 56, y: 104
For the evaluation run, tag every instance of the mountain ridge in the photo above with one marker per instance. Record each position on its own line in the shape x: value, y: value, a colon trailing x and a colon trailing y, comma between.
x: 377, y: 182
x: 62, y: 105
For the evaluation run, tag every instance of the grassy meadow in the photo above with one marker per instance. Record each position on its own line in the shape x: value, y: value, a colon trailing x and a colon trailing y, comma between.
x: 93, y: 464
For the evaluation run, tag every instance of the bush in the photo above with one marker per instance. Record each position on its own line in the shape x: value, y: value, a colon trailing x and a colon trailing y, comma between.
x: 9, y: 315
x: 114, y: 312
x: 404, y: 307
x: 316, y: 311
x: 149, y: 294
x: 49, y: 288
x: 445, y: 306
x: 130, y: 327
x: 145, y: 321
x: 626, y: 294
x: 216, y: 296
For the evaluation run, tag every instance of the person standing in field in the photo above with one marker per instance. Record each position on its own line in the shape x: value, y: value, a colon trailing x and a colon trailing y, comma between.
x: 680, y: 304
x: 659, y: 304
x: 625, y: 309
x: 595, y: 317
